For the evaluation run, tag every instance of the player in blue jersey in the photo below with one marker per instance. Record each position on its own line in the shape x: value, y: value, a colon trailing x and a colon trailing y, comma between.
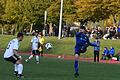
x: 82, y: 42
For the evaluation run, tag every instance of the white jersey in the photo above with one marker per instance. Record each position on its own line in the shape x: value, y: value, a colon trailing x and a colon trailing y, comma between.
x: 35, y: 41
x: 13, y: 44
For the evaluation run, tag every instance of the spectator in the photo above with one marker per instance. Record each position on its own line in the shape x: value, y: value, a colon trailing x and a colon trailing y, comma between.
x: 111, y: 52
x: 105, y: 53
x: 96, y: 50
x: 118, y: 56
x: 118, y: 32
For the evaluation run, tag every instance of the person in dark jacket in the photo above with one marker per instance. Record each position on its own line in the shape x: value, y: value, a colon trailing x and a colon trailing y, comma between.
x: 96, y: 50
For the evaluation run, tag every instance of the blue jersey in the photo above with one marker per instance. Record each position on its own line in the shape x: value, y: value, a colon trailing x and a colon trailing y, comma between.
x: 112, y: 51
x: 97, y: 48
x: 106, y: 52
x: 82, y: 42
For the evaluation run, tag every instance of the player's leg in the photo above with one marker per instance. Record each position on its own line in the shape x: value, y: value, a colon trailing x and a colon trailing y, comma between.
x: 41, y: 50
x: 37, y: 54
x: 15, y: 69
x: 20, y: 68
x: 31, y: 56
x: 98, y: 56
x: 76, y: 64
x: 95, y: 56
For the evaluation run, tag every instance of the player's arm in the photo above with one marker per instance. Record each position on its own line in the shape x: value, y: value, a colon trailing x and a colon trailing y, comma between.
x: 31, y: 42
x: 15, y: 49
x: 78, y: 34
x: 16, y: 53
x: 91, y: 44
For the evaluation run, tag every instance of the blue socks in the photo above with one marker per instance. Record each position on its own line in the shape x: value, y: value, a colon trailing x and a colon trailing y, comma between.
x: 76, y: 66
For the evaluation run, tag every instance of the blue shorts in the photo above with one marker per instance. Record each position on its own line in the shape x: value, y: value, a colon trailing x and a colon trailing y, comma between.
x: 80, y: 49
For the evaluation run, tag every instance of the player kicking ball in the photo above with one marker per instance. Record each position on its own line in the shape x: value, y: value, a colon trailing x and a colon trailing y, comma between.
x: 34, y: 46
x: 11, y: 55
x: 82, y: 42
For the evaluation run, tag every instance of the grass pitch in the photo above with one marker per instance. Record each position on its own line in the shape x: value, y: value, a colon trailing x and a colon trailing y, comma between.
x: 59, y: 69
x: 63, y: 46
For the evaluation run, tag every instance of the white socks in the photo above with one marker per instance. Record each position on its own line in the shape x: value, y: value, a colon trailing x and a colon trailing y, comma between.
x: 37, y: 58
x: 31, y: 56
x: 20, y: 68
x: 15, y: 67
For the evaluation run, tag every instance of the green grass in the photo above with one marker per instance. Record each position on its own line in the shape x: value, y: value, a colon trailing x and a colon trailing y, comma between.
x: 58, y: 69
x: 63, y: 46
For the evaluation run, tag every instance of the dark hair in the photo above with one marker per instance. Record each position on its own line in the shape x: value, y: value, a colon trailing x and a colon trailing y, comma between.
x: 19, y: 34
x: 41, y: 33
x: 36, y: 31
x: 82, y: 27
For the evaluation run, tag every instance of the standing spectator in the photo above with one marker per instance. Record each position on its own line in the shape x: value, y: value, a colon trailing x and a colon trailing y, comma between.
x: 118, y: 56
x: 118, y: 32
x: 50, y: 30
x: 96, y: 50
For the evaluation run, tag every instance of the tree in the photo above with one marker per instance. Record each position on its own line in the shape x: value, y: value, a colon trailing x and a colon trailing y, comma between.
x: 68, y: 11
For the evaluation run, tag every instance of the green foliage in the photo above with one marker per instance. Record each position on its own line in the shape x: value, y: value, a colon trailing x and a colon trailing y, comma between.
x: 23, y: 13
x: 96, y: 10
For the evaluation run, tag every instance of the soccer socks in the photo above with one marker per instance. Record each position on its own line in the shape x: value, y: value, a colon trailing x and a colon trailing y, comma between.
x: 20, y: 68
x: 15, y: 67
x: 37, y: 58
x: 31, y: 56
x: 76, y: 66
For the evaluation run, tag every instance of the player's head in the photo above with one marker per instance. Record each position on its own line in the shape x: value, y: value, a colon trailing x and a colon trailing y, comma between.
x: 82, y: 29
x: 111, y: 47
x: 40, y: 34
x: 97, y: 39
x: 20, y: 36
x: 105, y: 48
x: 36, y: 32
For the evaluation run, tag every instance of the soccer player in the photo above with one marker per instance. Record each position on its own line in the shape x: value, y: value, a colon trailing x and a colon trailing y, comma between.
x: 82, y: 42
x: 11, y: 55
x: 34, y: 47
x: 42, y: 42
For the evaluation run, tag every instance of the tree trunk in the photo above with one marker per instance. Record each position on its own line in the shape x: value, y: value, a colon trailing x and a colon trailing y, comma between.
x: 2, y: 30
x: 31, y: 28
x: 114, y: 18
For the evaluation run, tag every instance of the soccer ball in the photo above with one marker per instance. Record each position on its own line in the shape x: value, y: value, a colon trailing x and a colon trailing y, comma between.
x: 48, y: 46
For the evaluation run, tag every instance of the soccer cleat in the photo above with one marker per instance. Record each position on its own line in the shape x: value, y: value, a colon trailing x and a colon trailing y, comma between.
x: 76, y: 75
x: 26, y: 60
x: 37, y: 62
x: 20, y: 76
x: 15, y: 73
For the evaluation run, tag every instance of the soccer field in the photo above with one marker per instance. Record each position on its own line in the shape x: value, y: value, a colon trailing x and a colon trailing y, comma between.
x: 59, y: 69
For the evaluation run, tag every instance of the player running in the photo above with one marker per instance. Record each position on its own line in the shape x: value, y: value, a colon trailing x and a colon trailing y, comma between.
x: 34, y: 47
x: 11, y: 55
x: 82, y: 42
x: 42, y: 42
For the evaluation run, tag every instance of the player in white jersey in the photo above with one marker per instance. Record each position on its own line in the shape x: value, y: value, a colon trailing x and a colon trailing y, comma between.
x: 34, y: 47
x: 11, y: 55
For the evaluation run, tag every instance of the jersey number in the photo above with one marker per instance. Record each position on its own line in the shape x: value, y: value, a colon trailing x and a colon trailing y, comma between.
x: 8, y: 46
